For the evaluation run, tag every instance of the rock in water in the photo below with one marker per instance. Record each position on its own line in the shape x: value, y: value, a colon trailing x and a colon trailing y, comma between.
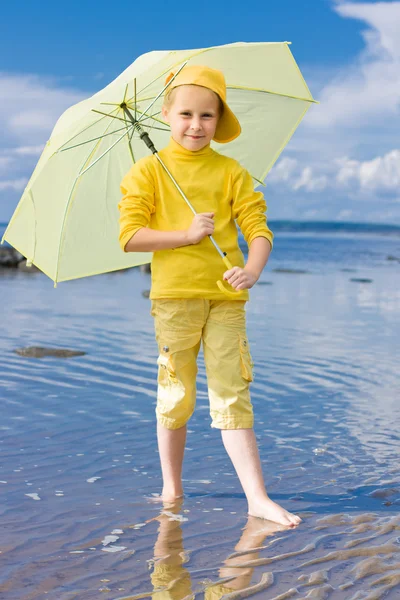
x: 41, y: 352
x: 294, y: 271
x: 9, y: 257
x: 361, y: 280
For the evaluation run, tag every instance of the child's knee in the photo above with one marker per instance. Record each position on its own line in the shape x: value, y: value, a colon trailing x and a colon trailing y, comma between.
x: 172, y: 413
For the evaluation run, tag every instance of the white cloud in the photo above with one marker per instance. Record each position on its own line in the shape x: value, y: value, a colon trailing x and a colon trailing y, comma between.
x: 382, y: 173
x: 5, y: 162
x: 28, y: 150
x: 383, y: 17
x: 345, y: 215
x: 283, y: 170
x: 368, y: 90
x: 310, y: 182
x: 348, y: 146
x: 30, y: 106
x: 14, y: 184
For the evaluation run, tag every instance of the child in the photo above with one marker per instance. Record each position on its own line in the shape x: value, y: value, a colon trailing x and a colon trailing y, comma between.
x: 187, y: 305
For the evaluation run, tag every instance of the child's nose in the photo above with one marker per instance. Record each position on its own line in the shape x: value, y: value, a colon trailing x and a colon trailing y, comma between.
x: 195, y: 123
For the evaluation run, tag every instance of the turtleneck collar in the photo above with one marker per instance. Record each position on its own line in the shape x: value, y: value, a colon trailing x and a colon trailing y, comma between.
x: 178, y: 151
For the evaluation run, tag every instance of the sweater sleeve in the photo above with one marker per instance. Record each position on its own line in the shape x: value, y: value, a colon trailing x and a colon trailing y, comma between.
x: 137, y: 204
x: 249, y: 208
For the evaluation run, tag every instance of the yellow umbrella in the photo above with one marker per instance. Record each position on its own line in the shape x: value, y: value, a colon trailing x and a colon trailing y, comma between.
x: 66, y: 222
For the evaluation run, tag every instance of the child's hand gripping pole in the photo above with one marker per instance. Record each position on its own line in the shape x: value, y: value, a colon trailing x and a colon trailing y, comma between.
x: 231, y: 293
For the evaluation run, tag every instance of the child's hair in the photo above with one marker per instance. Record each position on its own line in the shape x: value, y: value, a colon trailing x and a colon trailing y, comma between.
x: 170, y: 95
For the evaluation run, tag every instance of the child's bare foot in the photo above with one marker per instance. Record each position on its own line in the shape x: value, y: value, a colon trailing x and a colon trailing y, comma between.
x: 267, y: 509
x: 171, y: 495
x: 165, y: 498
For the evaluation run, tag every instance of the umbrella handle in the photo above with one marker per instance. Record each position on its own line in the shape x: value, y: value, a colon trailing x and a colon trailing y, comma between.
x: 230, y: 293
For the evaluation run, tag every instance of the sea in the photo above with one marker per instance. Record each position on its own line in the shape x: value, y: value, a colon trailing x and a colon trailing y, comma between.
x: 80, y: 514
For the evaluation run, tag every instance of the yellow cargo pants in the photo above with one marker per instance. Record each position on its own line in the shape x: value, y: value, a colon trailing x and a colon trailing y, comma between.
x: 180, y: 326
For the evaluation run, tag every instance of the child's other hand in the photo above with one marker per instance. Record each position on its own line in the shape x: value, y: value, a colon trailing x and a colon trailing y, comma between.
x: 202, y: 225
x: 240, y: 279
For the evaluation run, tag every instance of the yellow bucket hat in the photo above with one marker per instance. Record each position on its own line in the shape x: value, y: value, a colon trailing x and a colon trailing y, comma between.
x: 228, y: 127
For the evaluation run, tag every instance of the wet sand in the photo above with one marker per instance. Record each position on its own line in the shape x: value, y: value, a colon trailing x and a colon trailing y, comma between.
x: 79, y: 471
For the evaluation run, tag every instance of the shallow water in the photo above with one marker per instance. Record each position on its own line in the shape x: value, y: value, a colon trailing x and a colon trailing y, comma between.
x: 78, y: 446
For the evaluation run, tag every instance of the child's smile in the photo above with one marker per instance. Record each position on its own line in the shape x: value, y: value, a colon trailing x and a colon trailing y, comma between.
x: 193, y: 116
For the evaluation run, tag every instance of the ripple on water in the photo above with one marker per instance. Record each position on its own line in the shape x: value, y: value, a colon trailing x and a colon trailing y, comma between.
x: 79, y: 454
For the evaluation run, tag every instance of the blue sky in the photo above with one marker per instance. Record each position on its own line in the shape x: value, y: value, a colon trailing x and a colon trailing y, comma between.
x: 343, y: 162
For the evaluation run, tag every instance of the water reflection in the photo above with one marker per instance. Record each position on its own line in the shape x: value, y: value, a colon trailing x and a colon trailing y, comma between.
x: 171, y: 579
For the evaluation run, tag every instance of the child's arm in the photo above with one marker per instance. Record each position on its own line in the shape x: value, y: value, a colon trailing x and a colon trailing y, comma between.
x: 249, y: 210
x: 150, y: 240
x: 259, y: 251
x: 137, y: 206
x: 243, y: 279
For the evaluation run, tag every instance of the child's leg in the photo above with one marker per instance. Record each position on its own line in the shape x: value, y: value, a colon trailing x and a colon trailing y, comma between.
x: 241, y: 447
x: 178, y: 326
x: 171, y: 446
x: 229, y: 373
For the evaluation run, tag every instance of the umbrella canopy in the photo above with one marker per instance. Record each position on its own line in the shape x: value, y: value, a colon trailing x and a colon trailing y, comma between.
x: 66, y: 222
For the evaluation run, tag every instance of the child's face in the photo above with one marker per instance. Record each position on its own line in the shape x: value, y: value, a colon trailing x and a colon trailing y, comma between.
x: 193, y: 116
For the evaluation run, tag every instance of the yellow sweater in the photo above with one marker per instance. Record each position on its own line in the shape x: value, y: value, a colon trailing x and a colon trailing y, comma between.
x: 212, y: 183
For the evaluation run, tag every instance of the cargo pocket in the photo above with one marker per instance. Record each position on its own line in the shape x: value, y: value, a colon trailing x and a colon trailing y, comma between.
x: 166, y: 371
x: 246, y: 362
x: 174, y: 355
x: 170, y: 389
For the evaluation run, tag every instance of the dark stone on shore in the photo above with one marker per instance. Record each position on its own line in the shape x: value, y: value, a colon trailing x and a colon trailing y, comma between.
x: 9, y: 257
x: 361, y: 280
x: 41, y: 352
x: 394, y: 258
x: 146, y: 293
x: 295, y: 271
x: 145, y: 268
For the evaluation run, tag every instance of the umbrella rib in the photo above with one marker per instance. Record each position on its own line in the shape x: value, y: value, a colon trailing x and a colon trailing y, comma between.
x: 112, y: 133
x: 105, y: 152
x: 126, y: 91
x: 153, y: 127
x: 83, y: 130
x: 162, y: 91
x: 110, y: 115
x: 125, y: 121
x: 162, y: 75
x: 100, y: 137
x: 249, y: 89
x: 152, y: 117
